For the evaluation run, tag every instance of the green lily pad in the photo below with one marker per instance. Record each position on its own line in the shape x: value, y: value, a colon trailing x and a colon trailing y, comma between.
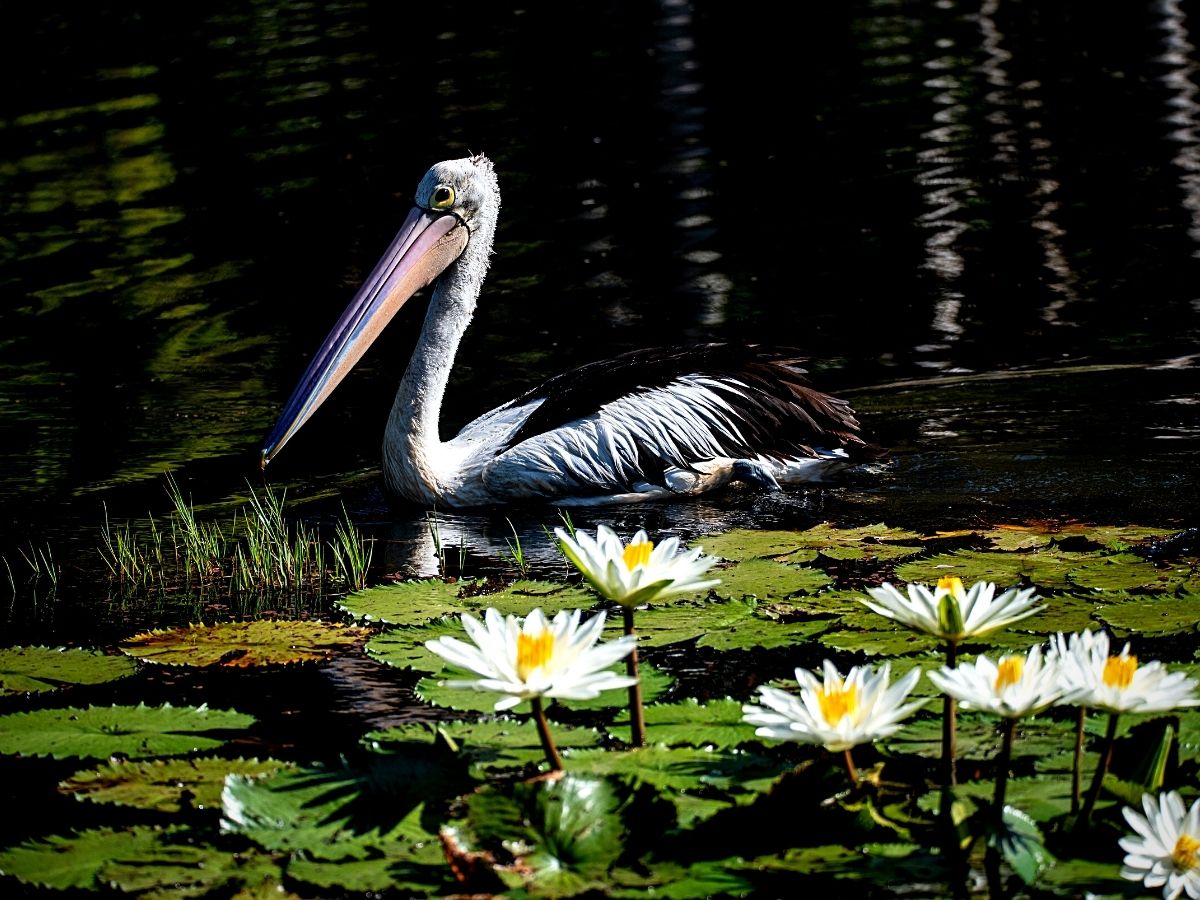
x: 405, y: 647
x: 674, y: 881
x: 487, y: 745
x: 744, y: 543
x: 407, y: 603
x: 29, y: 670
x: 1118, y: 572
x: 245, y: 644
x: 140, y: 859
x: 1016, y: 537
x: 879, y: 552
x: 738, y: 775
x: 164, y: 785
x: 1048, y: 569
x: 521, y: 597
x: 717, y: 723
x: 767, y: 579
x: 347, y: 812
x: 102, y: 731
x: 881, y: 641
x: 757, y: 632
x: 390, y: 870
x: 683, y: 620
x: 564, y: 834
x: 1153, y: 615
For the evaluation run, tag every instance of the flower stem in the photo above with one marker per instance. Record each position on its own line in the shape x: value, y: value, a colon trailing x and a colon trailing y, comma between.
x: 637, y: 719
x: 949, y: 725
x: 992, y: 857
x: 539, y: 716
x: 1077, y: 763
x: 1093, y: 794
x: 850, y: 769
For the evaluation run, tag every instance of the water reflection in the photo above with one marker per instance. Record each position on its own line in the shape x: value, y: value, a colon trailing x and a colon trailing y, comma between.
x: 190, y: 198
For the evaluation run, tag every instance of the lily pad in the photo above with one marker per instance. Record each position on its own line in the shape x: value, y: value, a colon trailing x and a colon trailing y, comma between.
x: 521, y: 597
x: 169, y: 785
x: 1118, y: 572
x: 745, y: 543
x: 880, y: 641
x: 346, y: 812
x: 767, y: 579
x: 564, y: 834
x: 717, y: 723
x: 739, y: 775
x: 486, y: 745
x: 407, y: 603
x: 245, y: 644
x: 405, y: 647
x: 102, y: 731
x: 1048, y: 569
x: 29, y: 670
x: 756, y: 632
x: 1153, y: 615
x: 139, y: 859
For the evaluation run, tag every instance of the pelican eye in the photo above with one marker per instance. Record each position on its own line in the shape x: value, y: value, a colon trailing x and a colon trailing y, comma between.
x: 443, y: 197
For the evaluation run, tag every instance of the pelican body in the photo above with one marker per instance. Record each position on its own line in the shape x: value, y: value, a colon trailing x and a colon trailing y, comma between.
x: 644, y: 425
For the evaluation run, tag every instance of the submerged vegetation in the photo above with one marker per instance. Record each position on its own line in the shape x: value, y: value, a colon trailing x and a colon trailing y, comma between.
x: 259, y: 554
x: 544, y: 793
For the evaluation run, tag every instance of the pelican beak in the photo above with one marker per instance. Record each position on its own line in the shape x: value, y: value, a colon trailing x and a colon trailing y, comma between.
x: 426, y: 244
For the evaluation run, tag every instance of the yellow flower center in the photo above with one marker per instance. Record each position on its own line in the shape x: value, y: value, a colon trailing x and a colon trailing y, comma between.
x: 837, y: 701
x: 533, y: 651
x: 1009, y: 671
x: 1184, y: 854
x: 953, y: 584
x: 1118, y: 671
x: 638, y: 554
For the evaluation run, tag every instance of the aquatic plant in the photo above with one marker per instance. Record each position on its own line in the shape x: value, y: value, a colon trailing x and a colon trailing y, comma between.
x: 460, y: 798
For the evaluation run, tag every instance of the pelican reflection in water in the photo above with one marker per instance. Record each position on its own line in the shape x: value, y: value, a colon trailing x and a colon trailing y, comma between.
x: 641, y: 426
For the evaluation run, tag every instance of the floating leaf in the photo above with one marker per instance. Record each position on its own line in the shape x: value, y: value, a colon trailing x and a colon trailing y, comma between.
x: 162, y: 785
x: 767, y: 579
x: 1118, y: 572
x: 565, y: 834
x: 684, y: 620
x: 1047, y: 569
x: 744, y: 543
x: 28, y: 670
x: 1153, y: 615
x: 486, y: 745
x: 353, y: 812
x: 739, y: 775
x: 756, y: 632
x: 245, y: 644
x: 407, y: 603
x: 390, y: 870
x: 717, y: 723
x: 521, y: 597
x: 102, y: 731
x: 674, y: 881
x: 74, y: 861
x: 880, y: 641
x: 405, y: 648
x: 139, y: 859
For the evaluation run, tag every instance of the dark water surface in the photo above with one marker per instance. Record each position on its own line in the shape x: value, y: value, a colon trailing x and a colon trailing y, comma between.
x: 981, y: 222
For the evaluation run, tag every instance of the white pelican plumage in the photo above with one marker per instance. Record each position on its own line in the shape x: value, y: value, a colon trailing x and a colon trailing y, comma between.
x: 640, y: 426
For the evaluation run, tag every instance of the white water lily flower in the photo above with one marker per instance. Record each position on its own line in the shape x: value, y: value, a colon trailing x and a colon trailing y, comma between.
x: 952, y: 612
x: 639, y: 572
x: 836, y: 712
x: 538, y: 658
x: 1118, y: 683
x: 1016, y: 686
x: 1166, y: 851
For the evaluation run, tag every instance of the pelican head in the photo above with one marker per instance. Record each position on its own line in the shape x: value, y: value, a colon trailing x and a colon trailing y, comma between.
x: 456, y: 200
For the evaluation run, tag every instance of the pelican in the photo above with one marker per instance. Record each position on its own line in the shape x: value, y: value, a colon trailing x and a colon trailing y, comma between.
x: 644, y: 425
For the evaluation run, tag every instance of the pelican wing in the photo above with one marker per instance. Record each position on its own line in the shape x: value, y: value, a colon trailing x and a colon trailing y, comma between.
x: 610, y: 425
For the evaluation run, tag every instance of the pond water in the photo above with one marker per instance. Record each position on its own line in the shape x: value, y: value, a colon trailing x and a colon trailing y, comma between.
x: 980, y: 221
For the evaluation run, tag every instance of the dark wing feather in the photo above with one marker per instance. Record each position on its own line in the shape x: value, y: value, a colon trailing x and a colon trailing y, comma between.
x: 778, y: 413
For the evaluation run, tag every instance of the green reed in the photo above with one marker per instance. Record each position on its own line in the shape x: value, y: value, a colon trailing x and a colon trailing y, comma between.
x: 259, y: 556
